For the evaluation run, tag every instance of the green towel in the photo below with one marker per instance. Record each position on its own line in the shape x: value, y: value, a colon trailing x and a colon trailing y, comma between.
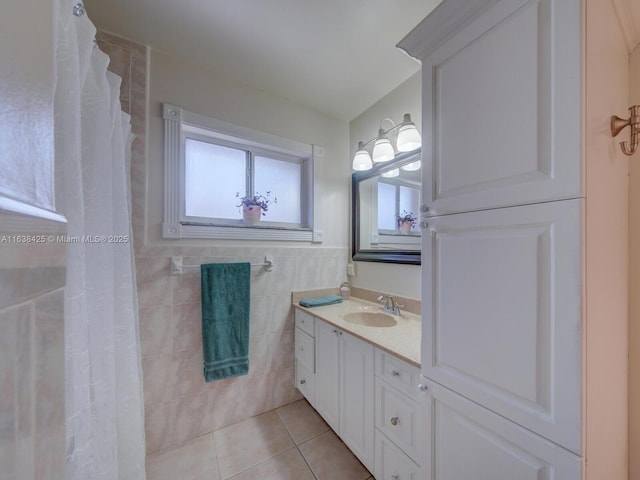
x: 225, y: 319
x: 320, y: 301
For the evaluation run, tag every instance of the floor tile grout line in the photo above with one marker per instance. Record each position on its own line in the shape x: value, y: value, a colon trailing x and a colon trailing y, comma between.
x: 215, y: 452
x: 329, y: 429
x: 257, y: 464
x: 304, y: 459
x: 176, y: 447
x: 281, y: 420
x: 297, y: 446
x: 274, y: 410
x: 293, y: 442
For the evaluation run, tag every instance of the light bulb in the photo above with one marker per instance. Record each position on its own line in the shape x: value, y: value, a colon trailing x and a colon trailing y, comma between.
x: 391, y: 173
x: 408, y: 136
x: 412, y: 167
x: 362, y: 159
x: 382, y: 149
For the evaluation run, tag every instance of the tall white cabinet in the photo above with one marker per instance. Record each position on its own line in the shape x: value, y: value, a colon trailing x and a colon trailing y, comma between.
x: 507, y: 256
x: 501, y: 103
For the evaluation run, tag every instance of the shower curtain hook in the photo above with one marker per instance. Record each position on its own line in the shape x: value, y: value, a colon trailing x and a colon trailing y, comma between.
x: 79, y: 10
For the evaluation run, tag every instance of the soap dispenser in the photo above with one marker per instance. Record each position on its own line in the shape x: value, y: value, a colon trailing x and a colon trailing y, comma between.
x: 344, y: 290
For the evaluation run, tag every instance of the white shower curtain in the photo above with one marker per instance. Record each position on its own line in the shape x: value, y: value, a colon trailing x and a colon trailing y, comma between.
x: 104, y: 406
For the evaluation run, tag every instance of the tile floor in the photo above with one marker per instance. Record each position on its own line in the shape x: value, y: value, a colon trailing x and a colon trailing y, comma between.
x: 288, y: 443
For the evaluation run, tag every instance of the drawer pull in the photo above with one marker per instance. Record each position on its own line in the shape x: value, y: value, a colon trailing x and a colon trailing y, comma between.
x: 394, y: 421
x: 395, y: 373
x: 395, y: 477
x: 303, y: 381
x: 422, y: 387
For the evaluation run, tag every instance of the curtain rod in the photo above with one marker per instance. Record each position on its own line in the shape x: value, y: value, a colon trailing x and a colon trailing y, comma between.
x: 177, y: 266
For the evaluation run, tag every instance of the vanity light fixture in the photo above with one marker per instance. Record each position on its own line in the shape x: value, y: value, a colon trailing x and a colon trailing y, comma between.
x: 407, y: 140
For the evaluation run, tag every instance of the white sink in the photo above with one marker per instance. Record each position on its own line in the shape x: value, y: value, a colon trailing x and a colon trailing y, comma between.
x: 370, y: 319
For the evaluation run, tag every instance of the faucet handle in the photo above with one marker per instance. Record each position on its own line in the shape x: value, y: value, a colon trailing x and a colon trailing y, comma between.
x: 381, y: 299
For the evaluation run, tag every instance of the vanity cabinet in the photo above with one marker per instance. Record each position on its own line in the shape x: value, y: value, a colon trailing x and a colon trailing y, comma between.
x: 525, y: 248
x: 392, y: 463
x: 328, y: 374
x: 402, y: 420
x: 344, y: 388
x: 356, y: 397
x: 305, y: 355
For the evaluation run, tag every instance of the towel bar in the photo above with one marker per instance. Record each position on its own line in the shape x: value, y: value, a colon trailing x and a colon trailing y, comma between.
x: 177, y: 266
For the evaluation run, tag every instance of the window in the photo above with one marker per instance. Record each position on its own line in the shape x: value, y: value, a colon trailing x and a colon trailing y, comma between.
x: 208, y: 193
x: 394, y: 199
x: 209, y: 164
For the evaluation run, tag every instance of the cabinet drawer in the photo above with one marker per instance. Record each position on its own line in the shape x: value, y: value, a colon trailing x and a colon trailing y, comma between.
x: 392, y: 463
x: 305, y: 349
x: 304, y: 321
x: 400, y: 374
x: 401, y: 419
x: 305, y: 382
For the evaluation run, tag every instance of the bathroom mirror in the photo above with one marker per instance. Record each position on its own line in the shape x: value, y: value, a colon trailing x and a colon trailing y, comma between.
x: 381, y: 198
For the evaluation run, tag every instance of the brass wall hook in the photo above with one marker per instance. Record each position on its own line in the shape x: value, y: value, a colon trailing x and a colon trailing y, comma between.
x: 617, y: 124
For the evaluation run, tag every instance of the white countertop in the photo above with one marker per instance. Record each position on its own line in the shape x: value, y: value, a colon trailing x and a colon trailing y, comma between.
x: 401, y: 340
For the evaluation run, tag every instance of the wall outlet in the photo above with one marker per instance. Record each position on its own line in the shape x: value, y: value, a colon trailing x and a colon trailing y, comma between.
x: 351, y: 269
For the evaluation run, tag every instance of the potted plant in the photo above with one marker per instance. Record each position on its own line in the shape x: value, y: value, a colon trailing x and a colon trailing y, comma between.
x: 406, y: 221
x: 254, y: 206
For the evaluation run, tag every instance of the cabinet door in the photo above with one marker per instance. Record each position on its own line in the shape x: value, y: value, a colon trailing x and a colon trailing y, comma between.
x: 501, y: 106
x: 328, y: 373
x: 470, y: 442
x: 356, y: 397
x: 305, y: 382
x: 305, y: 349
x: 393, y: 464
x: 501, y: 313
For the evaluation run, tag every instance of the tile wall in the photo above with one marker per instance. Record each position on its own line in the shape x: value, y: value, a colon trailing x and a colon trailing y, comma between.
x: 32, y: 279
x: 179, y: 405
x: 129, y: 61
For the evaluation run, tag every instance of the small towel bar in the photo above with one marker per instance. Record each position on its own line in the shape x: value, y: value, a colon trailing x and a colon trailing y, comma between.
x: 177, y: 266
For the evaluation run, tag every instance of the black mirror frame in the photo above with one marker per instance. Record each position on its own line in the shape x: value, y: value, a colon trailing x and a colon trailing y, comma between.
x: 410, y: 257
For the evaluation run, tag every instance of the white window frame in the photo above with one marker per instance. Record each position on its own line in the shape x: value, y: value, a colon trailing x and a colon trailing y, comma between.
x: 177, y: 123
x: 388, y: 238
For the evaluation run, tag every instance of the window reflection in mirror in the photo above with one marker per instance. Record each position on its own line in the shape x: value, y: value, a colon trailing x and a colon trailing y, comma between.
x: 386, y: 212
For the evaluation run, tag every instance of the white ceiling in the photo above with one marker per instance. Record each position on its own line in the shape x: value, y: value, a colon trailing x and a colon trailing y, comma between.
x: 335, y: 56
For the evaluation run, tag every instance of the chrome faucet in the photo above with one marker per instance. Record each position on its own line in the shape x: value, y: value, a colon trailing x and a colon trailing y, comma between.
x: 390, y: 305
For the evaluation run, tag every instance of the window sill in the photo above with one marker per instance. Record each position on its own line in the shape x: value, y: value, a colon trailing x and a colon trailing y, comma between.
x: 240, y: 233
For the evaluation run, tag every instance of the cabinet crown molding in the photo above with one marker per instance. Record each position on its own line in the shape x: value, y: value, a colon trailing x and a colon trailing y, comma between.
x: 445, y: 21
